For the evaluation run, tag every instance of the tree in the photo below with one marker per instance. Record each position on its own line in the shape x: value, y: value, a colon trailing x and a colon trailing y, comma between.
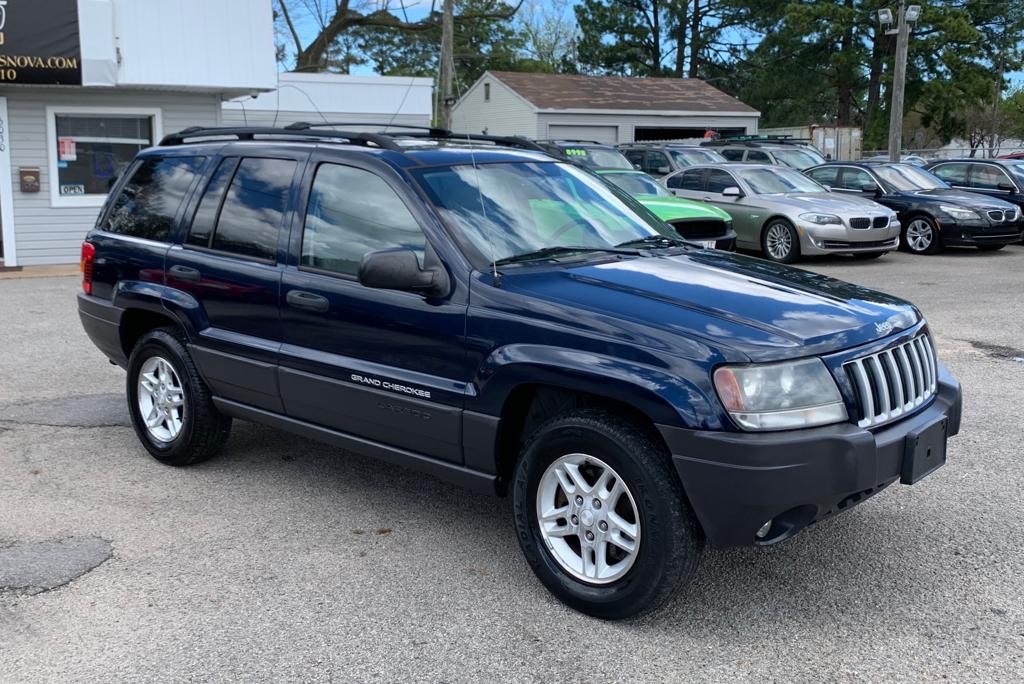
x: 548, y: 34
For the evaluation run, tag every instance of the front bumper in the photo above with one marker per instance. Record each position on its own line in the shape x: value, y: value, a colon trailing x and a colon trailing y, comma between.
x: 736, y: 481
x: 833, y: 239
x: 974, y: 233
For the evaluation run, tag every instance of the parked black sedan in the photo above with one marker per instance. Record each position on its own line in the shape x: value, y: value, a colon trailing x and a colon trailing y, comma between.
x: 999, y: 178
x: 931, y: 213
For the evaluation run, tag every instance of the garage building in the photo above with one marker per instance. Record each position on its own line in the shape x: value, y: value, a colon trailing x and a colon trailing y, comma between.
x: 610, y: 109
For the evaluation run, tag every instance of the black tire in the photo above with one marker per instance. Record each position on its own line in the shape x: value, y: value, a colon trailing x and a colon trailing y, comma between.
x: 990, y: 248
x: 794, y: 241
x: 917, y: 223
x: 670, y: 543
x: 204, y: 429
x: 867, y: 256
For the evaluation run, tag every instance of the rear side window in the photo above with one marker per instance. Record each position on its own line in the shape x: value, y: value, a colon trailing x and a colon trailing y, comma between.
x: 149, y: 200
x: 733, y: 154
x: 825, y: 175
x: 719, y: 180
x: 248, y: 218
x: 757, y: 156
x: 692, y: 179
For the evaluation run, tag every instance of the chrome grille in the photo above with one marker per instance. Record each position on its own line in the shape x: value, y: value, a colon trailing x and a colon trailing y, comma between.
x: 995, y: 215
x: 893, y: 382
x: 860, y: 223
x: 880, y: 222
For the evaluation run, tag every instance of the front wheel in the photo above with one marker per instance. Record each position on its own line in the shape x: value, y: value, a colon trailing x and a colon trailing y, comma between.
x: 779, y: 242
x: 921, y: 236
x: 170, y: 406
x: 601, y: 515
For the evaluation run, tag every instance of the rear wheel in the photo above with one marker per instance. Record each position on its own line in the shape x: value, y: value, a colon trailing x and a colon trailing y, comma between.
x: 170, y: 406
x: 779, y: 241
x: 601, y: 516
x: 921, y: 236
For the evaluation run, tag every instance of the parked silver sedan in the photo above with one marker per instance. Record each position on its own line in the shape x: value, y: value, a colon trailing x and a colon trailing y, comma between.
x: 785, y: 214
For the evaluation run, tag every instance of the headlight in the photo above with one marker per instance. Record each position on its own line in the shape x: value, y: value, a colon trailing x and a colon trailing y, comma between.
x: 821, y: 219
x: 780, y: 396
x: 959, y: 212
x: 894, y: 219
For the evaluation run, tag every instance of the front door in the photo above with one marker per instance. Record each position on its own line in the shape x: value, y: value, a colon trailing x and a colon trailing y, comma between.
x: 384, y: 365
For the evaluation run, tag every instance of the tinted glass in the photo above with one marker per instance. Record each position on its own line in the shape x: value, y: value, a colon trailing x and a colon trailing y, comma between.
x: 856, y: 179
x: 692, y: 179
x: 691, y: 156
x: 954, y: 174
x: 733, y: 155
x: 799, y: 158
x: 655, y: 161
x: 206, y: 215
x: 251, y: 215
x: 719, y: 180
x: 510, y: 209
x: 825, y: 176
x: 907, y: 178
x: 985, y: 177
x: 635, y: 157
x: 352, y: 212
x: 148, y: 202
x: 758, y: 156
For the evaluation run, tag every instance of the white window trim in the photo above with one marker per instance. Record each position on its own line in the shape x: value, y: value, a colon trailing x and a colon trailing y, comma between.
x: 56, y: 199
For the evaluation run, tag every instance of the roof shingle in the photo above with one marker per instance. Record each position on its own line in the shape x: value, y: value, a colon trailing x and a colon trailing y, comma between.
x: 564, y: 91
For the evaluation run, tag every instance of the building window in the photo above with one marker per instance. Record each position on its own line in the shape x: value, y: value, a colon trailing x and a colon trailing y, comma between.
x: 90, y: 148
x: 487, y: 92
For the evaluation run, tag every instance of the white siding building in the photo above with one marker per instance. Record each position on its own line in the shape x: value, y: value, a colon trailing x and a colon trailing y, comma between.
x: 608, y: 109
x: 85, y: 84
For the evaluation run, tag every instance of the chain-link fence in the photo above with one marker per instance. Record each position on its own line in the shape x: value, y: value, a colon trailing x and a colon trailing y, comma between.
x: 947, y: 153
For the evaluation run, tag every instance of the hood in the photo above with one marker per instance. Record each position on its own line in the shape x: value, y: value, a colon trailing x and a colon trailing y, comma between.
x: 761, y: 310
x: 972, y: 200
x: 828, y: 202
x: 672, y: 208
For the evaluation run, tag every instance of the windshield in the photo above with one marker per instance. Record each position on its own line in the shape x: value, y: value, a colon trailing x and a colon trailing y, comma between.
x: 509, y: 209
x: 695, y: 155
x: 774, y: 181
x: 907, y: 178
x: 1016, y: 169
x: 598, y: 157
x: 799, y: 158
x: 637, y: 184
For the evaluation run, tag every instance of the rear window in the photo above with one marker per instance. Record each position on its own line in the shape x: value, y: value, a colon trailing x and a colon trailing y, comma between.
x: 147, y: 204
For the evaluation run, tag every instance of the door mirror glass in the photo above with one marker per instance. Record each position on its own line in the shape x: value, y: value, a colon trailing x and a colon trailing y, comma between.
x: 662, y: 170
x: 1005, y: 187
x: 398, y: 268
x: 732, y: 191
x: 869, y: 189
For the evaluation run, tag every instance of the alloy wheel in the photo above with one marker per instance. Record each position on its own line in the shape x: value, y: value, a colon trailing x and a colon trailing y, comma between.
x: 778, y: 241
x: 919, y: 235
x: 588, y: 519
x: 161, y: 399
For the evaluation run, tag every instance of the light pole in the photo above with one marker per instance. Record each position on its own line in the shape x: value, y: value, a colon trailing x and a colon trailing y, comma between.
x: 905, y: 17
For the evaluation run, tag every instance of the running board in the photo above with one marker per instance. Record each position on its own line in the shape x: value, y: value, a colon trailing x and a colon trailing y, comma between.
x: 454, y: 473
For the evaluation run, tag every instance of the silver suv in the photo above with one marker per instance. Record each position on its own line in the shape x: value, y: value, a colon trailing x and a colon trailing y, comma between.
x: 794, y: 155
x: 659, y: 159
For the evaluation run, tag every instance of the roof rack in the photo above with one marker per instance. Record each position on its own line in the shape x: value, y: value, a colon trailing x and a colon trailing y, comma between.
x: 306, y: 131
x: 306, y: 125
x: 573, y: 140
x: 250, y: 133
x: 758, y: 140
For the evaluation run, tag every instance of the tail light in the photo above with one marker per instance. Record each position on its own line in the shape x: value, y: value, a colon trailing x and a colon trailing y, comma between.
x: 88, y: 257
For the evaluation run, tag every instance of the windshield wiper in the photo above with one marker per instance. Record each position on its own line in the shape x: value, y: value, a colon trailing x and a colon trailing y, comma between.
x: 549, y: 252
x: 657, y: 240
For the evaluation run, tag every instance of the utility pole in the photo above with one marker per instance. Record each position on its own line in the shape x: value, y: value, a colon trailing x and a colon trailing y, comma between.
x: 447, y: 62
x: 899, y: 80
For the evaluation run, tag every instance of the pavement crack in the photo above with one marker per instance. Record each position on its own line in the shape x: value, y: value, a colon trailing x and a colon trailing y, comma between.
x: 997, y: 351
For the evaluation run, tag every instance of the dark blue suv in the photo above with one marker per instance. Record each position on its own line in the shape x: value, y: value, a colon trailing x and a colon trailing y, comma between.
x: 488, y: 314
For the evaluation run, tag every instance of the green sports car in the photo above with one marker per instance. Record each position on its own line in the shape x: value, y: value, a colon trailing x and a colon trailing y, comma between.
x: 695, y: 221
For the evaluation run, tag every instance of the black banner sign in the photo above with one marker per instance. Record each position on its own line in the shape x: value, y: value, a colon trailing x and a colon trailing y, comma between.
x: 39, y: 42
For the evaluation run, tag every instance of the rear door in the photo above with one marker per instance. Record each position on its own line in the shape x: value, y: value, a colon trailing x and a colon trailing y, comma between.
x: 227, y: 273
x: 384, y: 365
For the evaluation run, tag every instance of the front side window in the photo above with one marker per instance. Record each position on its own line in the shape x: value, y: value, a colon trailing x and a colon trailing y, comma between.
x: 907, y: 178
x: 733, y: 154
x: 825, y: 175
x: 856, y: 179
x: 778, y: 180
x: 510, y: 209
x: 719, y: 180
x: 799, y: 158
x: 352, y: 212
x: 93, y: 150
x: 986, y: 177
x: 250, y: 215
x: 758, y: 157
x: 954, y: 174
x: 149, y: 200
x: 691, y: 179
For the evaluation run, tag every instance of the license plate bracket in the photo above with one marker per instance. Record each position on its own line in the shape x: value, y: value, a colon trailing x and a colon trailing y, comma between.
x: 708, y: 244
x: 924, y: 451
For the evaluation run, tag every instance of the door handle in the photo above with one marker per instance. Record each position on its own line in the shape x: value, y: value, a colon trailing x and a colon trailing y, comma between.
x: 307, y: 301
x: 185, y: 273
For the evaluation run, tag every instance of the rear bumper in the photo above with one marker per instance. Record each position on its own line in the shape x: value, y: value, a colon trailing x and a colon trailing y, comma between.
x: 102, y: 323
x: 736, y: 481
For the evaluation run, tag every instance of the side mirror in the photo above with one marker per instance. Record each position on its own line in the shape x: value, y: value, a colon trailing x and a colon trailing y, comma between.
x: 732, y: 191
x: 1005, y: 187
x: 869, y: 188
x: 828, y: 188
x: 663, y: 170
x: 398, y: 268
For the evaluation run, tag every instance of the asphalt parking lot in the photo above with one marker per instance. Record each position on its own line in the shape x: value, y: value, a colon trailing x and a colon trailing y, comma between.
x: 284, y: 559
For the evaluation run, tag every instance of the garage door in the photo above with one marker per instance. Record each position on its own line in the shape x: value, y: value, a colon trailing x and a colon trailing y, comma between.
x: 603, y: 134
